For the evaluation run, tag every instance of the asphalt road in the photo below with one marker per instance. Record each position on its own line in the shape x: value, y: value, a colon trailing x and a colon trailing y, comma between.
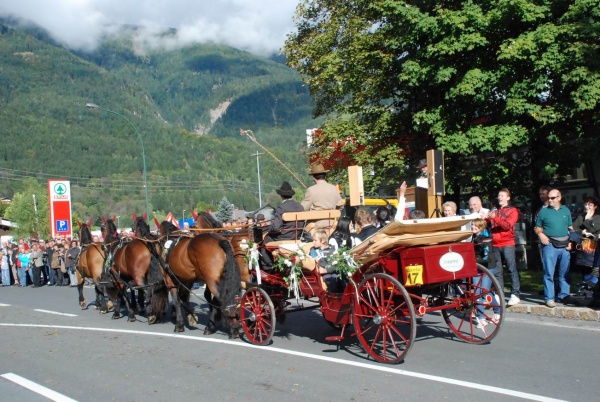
x: 49, y: 346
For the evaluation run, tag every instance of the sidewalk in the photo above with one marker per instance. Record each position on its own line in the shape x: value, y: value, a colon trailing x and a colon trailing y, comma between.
x: 532, y: 303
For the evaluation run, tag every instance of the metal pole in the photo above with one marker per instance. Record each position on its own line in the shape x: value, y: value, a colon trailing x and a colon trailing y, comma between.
x: 94, y: 106
x: 183, y: 218
x: 36, y: 212
x: 118, y: 222
x: 258, y: 171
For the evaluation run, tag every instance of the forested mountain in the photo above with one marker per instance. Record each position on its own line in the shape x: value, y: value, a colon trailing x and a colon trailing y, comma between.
x: 188, y: 106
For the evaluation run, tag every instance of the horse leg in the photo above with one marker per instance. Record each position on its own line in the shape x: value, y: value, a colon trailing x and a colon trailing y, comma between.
x: 234, y: 326
x: 100, y: 302
x: 82, y: 302
x: 214, y: 312
x: 177, y: 309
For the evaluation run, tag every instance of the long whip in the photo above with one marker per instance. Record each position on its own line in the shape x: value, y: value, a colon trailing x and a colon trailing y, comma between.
x: 250, y: 134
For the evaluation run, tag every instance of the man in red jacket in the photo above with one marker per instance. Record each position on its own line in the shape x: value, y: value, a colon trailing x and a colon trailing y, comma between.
x: 502, y: 221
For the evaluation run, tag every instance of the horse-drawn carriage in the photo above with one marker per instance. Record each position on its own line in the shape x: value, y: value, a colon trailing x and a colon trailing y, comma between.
x: 408, y: 269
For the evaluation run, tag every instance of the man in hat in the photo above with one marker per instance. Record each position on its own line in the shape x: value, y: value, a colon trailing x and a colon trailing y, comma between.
x: 281, y: 230
x: 321, y: 195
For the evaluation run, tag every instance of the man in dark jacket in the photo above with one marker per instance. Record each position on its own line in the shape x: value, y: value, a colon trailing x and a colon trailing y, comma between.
x: 281, y: 230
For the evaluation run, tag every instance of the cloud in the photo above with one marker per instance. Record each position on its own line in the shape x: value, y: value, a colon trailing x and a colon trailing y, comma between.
x: 256, y: 26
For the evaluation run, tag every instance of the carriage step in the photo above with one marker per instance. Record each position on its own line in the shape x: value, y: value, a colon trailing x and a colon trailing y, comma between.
x: 335, y: 338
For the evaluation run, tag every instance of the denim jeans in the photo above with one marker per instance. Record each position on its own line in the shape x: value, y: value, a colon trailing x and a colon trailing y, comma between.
x: 6, y: 277
x: 22, y: 276
x: 486, y: 283
x: 552, y: 257
x: 508, y: 252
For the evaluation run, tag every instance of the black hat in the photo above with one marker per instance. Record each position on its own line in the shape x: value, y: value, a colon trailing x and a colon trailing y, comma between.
x: 422, y: 163
x: 285, y: 190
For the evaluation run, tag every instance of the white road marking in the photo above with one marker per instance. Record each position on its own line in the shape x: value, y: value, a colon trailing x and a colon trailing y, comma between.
x: 4, y: 305
x: 37, y: 388
x: 387, y: 369
x: 55, y: 312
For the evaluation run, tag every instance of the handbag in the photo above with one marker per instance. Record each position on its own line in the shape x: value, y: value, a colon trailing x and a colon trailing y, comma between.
x: 63, y: 268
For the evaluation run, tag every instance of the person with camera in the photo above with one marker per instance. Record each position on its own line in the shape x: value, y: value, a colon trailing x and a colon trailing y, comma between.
x: 56, y: 262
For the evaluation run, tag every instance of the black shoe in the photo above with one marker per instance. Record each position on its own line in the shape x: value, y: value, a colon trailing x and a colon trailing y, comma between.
x: 566, y: 300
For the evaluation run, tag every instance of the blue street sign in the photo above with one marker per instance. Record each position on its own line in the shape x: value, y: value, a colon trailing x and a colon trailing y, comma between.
x: 62, y: 226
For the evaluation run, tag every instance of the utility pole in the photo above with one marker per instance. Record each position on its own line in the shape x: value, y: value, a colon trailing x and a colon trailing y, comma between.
x: 257, y: 154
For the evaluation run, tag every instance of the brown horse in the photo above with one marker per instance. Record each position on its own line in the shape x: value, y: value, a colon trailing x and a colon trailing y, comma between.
x: 206, y: 258
x: 137, y: 265
x: 238, y: 240
x: 91, y: 265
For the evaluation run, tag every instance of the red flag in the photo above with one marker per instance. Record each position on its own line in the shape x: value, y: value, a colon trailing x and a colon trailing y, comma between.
x: 171, y: 218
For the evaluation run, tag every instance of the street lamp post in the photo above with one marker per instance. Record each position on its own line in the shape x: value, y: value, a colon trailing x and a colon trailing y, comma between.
x: 258, y: 171
x: 183, y: 218
x: 118, y: 222
x: 94, y: 106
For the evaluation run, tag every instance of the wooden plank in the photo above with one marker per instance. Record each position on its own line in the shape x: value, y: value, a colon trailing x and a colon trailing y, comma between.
x: 311, y: 215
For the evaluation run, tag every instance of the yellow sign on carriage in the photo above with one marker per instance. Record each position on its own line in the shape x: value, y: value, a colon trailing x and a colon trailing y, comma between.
x: 414, y: 275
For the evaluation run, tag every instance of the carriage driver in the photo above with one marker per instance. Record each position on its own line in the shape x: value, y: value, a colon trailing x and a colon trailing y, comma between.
x: 281, y: 230
x: 321, y: 196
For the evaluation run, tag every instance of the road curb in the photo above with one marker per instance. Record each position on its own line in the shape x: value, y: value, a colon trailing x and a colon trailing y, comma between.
x: 570, y: 313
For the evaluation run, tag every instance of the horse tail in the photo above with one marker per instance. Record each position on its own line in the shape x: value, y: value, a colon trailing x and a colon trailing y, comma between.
x: 229, y: 284
x: 160, y: 294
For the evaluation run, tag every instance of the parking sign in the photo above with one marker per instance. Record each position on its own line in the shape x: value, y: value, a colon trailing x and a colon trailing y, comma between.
x: 59, y: 197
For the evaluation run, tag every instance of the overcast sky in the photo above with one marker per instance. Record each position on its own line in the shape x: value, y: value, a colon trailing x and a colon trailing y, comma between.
x: 259, y: 26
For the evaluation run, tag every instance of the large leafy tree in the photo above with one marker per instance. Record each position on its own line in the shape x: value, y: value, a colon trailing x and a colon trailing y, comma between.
x: 29, y: 210
x: 509, y: 89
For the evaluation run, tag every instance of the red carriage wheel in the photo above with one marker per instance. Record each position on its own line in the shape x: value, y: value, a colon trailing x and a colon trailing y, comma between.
x: 258, y: 316
x: 475, y: 307
x: 384, y: 318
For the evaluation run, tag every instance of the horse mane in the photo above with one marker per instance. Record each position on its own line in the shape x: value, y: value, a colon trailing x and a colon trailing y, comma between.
x: 207, y: 221
x: 85, y: 235
x: 166, y: 228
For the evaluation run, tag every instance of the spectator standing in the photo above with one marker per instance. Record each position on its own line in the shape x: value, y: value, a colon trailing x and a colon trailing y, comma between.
x: 12, y: 261
x: 71, y: 262
x: 37, y: 264
x: 552, y: 227
x: 587, y: 225
x: 23, y: 264
x: 4, y: 268
x: 502, y: 224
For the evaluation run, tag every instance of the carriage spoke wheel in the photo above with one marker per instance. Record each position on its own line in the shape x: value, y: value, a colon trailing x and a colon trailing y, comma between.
x: 475, y: 308
x: 258, y: 316
x: 384, y: 318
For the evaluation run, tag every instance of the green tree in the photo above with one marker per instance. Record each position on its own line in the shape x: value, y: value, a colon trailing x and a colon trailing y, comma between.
x: 225, y: 211
x: 29, y: 210
x: 503, y: 87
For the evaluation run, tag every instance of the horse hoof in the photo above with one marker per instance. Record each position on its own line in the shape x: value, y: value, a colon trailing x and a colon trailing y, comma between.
x: 151, y: 319
x: 234, y: 336
x: 116, y: 316
x: 192, y: 320
x: 103, y: 311
x: 94, y: 307
x: 131, y: 319
x: 179, y: 329
x: 209, y: 331
x: 110, y: 305
x: 83, y: 305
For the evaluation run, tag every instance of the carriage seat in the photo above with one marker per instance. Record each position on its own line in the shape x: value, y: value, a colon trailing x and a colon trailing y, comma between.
x: 303, y: 216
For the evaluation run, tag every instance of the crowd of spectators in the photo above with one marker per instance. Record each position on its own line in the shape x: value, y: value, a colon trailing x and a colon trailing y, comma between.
x: 37, y: 263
